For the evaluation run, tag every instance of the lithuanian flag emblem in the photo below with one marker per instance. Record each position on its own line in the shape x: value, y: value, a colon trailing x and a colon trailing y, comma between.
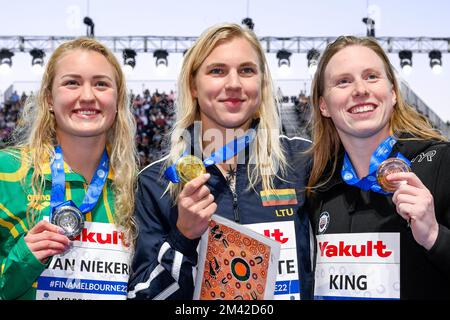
x: 278, y: 197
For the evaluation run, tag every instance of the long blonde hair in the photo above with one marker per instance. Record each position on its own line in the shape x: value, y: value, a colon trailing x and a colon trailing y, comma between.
x: 36, y: 132
x: 267, y: 152
x: 326, y: 141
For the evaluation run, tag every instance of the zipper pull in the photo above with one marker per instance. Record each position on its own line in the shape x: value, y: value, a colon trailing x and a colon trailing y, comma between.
x: 235, y: 208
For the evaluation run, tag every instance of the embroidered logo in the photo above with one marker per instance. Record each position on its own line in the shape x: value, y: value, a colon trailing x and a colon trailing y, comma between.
x: 278, y: 197
x: 288, y: 212
x: 324, y: 222
x: 38, y: 202
x: 429, y: 156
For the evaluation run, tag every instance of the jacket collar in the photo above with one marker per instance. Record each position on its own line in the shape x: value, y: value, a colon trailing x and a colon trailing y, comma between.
x: 70, y: 174
x: 405, y: 145
x: 194, y: 139
x: 410, y: 148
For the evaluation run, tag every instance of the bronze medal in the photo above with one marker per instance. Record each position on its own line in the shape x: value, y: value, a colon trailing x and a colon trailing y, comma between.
x: 388, y: 166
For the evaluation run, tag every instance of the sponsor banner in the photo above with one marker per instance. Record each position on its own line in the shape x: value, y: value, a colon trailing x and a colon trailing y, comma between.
x: 358, y: 266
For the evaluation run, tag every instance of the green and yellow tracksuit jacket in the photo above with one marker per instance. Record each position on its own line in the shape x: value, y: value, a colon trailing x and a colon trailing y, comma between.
x: 19, y: 268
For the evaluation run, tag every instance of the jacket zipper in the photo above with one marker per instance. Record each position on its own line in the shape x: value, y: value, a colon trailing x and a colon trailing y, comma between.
x: 237, y: 218
x: 236, y: 214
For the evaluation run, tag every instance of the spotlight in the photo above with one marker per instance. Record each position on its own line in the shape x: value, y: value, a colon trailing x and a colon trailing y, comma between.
x: 129, y: 60
x: 37, y: 63
x: 5, y: 60
x: 370, y: 23
x: 90, y: 26
x: 313, y: 60
x: 406, y: 61
x: 435, y: 61
x: 283, y: 58
x: 161, y: 58
x: 248, y: 22
x: 5, y: 57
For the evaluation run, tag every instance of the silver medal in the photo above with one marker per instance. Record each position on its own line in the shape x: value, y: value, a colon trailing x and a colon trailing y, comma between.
x: 70, y: 219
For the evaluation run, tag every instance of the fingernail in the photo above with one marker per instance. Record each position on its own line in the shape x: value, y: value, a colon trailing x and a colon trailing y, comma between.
x: 207, y: 175
x: 61, y: 231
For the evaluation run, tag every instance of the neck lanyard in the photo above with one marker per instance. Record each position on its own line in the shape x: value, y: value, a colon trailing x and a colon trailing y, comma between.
x: 59, y: 182
x: 223, y: 154
x: 369, y: 182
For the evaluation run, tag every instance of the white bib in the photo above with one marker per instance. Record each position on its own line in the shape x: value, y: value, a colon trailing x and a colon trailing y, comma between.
x: 287, y: 286
x: 358, y: 266
x: 96, y: 267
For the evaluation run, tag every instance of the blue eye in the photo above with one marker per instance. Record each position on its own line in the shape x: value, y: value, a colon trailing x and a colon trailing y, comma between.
x: 342, y: 82
x: 216, y: 71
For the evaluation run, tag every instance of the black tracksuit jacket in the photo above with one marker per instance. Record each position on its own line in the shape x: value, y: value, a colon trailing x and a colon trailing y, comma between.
x: 423, y: 274
x: 165, y: 260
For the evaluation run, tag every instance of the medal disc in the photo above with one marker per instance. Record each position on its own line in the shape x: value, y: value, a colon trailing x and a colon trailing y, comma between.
x: 388, y: 166
x: 70, y: 219
x: 190, y: 167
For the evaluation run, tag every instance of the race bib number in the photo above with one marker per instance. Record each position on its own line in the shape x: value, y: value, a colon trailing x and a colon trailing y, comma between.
x: 287, y: 285
x: 358, y: 266
x: 96, y: 267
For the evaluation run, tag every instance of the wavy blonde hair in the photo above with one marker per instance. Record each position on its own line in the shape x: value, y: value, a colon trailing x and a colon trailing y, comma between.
x: 267, y: 152
x: 36, y: 133
x: 326, y: 141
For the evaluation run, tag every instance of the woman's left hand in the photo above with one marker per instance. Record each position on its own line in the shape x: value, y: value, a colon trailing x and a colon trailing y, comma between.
x: 415, y: 204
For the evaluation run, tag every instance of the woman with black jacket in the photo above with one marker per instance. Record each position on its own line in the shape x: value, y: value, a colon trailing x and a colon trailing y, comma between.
x: 374, y: 241
x: 225, y: 95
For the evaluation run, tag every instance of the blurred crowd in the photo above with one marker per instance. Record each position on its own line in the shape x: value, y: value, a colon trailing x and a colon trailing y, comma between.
x: 154, y: 114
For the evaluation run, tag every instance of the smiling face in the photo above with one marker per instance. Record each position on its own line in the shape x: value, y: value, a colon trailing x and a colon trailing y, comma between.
x: 84, y: 95
x: 228, y: 85
x: 357, y: 94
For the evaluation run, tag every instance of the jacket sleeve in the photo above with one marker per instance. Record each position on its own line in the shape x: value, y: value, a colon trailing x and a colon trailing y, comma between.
x: 439, y: 254
x: 19, y: 270
x: 164, y: 260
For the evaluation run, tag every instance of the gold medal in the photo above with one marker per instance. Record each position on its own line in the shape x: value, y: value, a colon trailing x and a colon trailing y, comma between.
x: 388, y: 166
x: 190, y: 167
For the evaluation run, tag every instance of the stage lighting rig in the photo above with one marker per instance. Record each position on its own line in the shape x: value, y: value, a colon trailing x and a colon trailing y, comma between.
x: 435, y: 61
x: 90, y: 26
x: 283, y: 57
x: 313, y: 60
x: 406, y: 61
x: 248, y: 22
x: 161, y: 58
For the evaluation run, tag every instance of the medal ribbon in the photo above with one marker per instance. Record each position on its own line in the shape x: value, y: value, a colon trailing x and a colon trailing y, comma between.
x: 369, y: 182
x: 223, y: 154
x: 59, y: 182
